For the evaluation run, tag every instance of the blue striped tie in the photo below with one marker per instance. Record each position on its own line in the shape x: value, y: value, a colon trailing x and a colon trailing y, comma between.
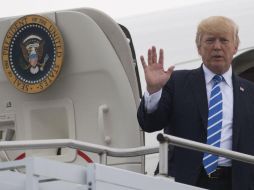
x: 210, y: 161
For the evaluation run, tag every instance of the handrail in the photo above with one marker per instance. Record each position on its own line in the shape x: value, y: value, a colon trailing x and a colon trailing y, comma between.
x: 104, y: 151
x: 165, y: 140
x: 94, y: 148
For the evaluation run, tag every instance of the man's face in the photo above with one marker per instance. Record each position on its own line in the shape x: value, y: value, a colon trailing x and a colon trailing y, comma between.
x: 217, y: 51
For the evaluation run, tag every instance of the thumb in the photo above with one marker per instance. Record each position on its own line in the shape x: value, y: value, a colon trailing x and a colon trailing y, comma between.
x: 170, y: 70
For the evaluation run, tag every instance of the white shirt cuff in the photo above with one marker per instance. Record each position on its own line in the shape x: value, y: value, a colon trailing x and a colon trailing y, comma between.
x: 151, y: 101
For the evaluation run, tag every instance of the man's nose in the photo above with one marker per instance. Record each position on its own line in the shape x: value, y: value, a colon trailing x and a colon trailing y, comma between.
x: 217, y: 44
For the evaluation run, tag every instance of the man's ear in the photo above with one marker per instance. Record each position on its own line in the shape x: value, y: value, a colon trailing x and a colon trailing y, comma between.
x: 199, y: 50
x: 235, y: 49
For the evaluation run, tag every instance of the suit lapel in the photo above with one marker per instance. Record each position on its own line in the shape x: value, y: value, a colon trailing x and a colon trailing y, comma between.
x: 198, y: 87
x: 237, y: 109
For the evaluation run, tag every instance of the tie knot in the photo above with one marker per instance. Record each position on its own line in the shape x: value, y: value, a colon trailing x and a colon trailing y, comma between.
x: 217, y: 79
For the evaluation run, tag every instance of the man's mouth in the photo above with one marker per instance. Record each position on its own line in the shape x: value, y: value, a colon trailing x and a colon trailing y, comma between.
x: 217, y: 57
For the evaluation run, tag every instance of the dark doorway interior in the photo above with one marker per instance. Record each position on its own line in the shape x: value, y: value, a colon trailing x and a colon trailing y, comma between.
x: 243, y: 65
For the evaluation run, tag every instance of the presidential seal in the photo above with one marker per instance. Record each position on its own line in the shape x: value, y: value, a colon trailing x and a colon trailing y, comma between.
x: 32, y: 53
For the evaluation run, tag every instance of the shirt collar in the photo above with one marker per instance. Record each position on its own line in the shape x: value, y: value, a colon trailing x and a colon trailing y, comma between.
x: 209, y: 75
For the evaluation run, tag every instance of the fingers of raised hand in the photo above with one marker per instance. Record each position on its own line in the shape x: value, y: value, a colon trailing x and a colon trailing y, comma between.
x: 149, y: 57
x: 161, y: 57
x: 154, y: 54
x: 143, y: 61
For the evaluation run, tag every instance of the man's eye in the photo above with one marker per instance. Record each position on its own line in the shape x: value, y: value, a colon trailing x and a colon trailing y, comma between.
x: 209, y: 41
x: 224, y: 41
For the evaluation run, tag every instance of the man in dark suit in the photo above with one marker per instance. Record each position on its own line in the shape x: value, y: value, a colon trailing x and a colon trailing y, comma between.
x: 180, y: 103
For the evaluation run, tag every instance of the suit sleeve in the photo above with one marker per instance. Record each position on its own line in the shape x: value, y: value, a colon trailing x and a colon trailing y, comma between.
x: 160, y: 118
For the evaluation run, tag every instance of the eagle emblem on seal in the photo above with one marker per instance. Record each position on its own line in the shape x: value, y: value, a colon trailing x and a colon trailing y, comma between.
x: 32, y: 50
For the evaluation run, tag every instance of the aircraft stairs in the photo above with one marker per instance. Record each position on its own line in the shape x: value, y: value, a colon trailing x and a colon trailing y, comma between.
x: 44, y: 174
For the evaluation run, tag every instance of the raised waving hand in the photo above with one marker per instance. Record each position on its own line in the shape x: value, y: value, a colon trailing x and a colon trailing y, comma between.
x: 155, y: 75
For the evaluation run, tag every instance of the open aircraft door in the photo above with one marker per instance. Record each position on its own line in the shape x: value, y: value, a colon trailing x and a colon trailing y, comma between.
x: 94, y: 98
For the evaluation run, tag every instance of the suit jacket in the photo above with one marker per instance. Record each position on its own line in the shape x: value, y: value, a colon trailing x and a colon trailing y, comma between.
x: 183, y: 110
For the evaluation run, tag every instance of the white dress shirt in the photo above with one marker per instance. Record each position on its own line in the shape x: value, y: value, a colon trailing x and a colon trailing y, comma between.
x: 151, y: 104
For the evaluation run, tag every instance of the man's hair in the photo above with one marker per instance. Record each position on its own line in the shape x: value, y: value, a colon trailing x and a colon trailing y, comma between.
x: 217, y: 25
